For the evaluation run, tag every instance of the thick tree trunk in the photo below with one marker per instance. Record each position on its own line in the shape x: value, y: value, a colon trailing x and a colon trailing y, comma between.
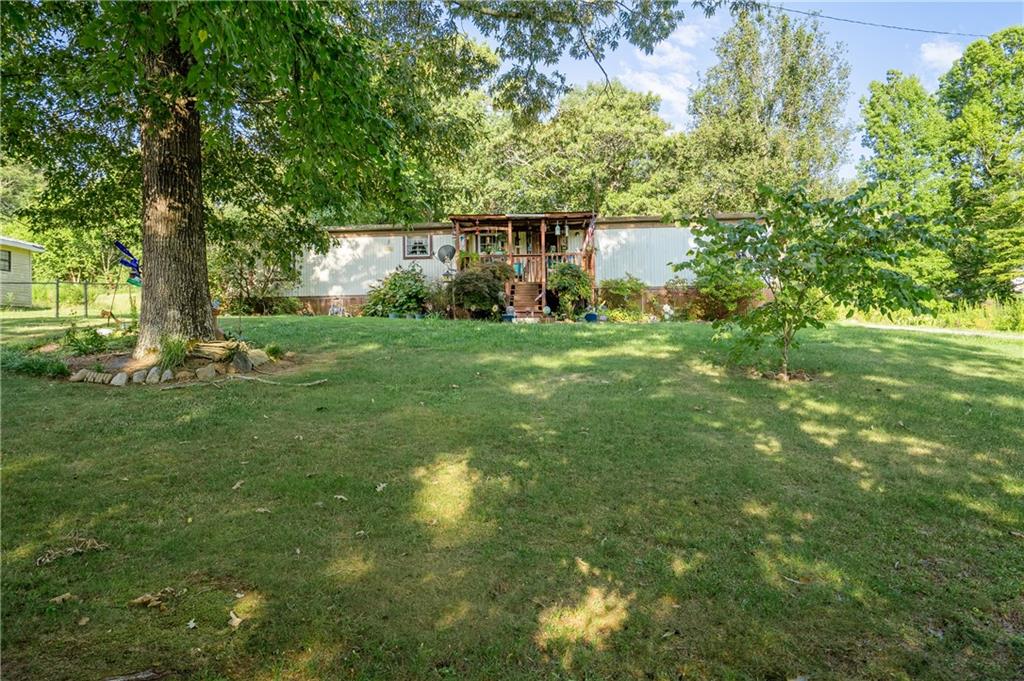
x: 176, y: 296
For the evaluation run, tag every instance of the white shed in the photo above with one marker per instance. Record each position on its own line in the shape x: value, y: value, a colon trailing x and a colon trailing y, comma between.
x: 16, y: 271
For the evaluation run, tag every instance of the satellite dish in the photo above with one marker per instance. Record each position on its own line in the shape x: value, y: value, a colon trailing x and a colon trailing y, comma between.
x: 446, y: 253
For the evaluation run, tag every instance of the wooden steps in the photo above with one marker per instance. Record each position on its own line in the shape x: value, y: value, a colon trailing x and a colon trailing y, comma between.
x: 524, y: 299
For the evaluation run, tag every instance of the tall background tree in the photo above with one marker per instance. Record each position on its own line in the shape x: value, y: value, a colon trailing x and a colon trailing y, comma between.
x: 983, y: 98
x: 906, y: 133
x: 769, y: 111
x: 956, y: 159
x: 314, y: 109
x: 601, y: 144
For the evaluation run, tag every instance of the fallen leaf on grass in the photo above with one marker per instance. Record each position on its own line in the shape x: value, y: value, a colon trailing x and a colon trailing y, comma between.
x: 234, y: 620
x: 64, y: 598
x: 157, y: 600
x: 341, y: 496
x: 1018, y: 535
x: 191, y: 624
x: 82, y: 622
x: 238, y: 485
x: 239, y: 594
x: 802, y: 581
x: 262, y: 509
x: 381, y: 486
x: 78, y: 544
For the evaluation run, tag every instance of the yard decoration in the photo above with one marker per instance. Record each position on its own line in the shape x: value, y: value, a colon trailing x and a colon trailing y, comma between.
x: 132, y: 263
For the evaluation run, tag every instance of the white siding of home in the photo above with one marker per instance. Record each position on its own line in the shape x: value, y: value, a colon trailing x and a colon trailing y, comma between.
x: 644, y: 252
x: 356, y: 262
x: 17, y: 294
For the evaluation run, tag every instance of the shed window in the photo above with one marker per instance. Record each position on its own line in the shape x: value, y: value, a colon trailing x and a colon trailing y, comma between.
x: 416, y: 246
x: 5, y: 261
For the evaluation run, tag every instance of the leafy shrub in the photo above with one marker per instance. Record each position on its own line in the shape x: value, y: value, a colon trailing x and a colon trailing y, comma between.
x: 274, y: 351
x: 31, y: 363
x: 248, y: 276
x: 173, y: 351
x: 623, y: 315
x: 623, y: 293
x: 404, y: 291
x: 1011, y: 315
x: 722, y: 297
x: 481, y: 287
x: 572, y: 285
x: 83, y: 341
x: 992, y: 314
x: 439, y: 298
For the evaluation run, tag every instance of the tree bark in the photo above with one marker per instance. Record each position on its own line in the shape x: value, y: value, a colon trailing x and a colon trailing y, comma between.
x: 176, y: 295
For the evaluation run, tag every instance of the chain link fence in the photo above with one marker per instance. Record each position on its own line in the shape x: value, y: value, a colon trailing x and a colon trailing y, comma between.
x: 70, y: 299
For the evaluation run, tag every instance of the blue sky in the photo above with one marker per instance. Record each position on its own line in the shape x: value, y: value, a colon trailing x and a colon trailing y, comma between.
x: 672, y: 70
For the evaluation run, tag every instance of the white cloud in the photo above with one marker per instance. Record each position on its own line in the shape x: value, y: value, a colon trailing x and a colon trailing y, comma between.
x: 670, y: 70
x: 673, y: 87
x: 940, y: 54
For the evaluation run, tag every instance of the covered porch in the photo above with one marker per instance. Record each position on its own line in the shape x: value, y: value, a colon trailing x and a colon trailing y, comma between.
x: 531, y: 243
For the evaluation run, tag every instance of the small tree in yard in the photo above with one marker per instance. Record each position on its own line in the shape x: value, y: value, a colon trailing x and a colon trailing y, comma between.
x: 809, y: 253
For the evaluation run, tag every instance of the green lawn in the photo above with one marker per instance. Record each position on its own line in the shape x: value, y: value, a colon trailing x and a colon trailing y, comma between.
x: 561, y: 501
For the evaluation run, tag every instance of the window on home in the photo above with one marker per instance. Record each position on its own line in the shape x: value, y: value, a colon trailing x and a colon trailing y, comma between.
x: 491, y: 243
x: 5, y: 261
x: 417, y: 247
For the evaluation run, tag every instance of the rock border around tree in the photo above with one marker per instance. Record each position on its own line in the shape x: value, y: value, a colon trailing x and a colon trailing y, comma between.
x: 204, y: 362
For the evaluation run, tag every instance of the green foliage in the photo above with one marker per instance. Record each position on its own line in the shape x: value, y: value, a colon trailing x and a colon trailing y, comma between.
x: 626, y: 315
x: 404, y: 291
x: 623, y: 293
x: 769, y: 112
x: 273, y: 351
x: 439, y: 298
x: 721, y: 297
x: 909, y: 170
x: 810, y: 254
x: 83, y: 341
x: 1010, y: 316
x: 21, y: 361
x: 572, y: 285
x: 248, y: 275
x: 173, y: 352
x: 481, y: 287
x: 955, y: 161
x: 983, y: 97
x: 601, y: 145
x: 1005, y: 315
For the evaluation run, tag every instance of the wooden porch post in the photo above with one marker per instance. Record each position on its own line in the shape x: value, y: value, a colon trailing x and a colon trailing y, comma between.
x: 543, y: 264
x: 508, y: 249
x: 457, y: 234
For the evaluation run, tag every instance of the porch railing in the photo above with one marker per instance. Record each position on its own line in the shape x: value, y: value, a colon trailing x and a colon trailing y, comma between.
x: 530, y: 266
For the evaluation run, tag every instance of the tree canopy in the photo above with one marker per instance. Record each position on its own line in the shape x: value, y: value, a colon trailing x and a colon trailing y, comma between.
x: 289, y: 111
x: 955, y: 158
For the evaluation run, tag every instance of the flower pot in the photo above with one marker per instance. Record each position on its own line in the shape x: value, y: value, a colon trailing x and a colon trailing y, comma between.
x: 590, y: 317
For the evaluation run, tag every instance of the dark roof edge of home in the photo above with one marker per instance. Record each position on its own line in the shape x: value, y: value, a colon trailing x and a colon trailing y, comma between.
x: 610, y: 222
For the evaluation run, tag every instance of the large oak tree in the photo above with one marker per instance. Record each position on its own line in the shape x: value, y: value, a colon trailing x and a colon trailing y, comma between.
x: 301, y: 110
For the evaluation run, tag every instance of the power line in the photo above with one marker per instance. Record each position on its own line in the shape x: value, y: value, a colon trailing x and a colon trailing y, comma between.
x: 818, y: 15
